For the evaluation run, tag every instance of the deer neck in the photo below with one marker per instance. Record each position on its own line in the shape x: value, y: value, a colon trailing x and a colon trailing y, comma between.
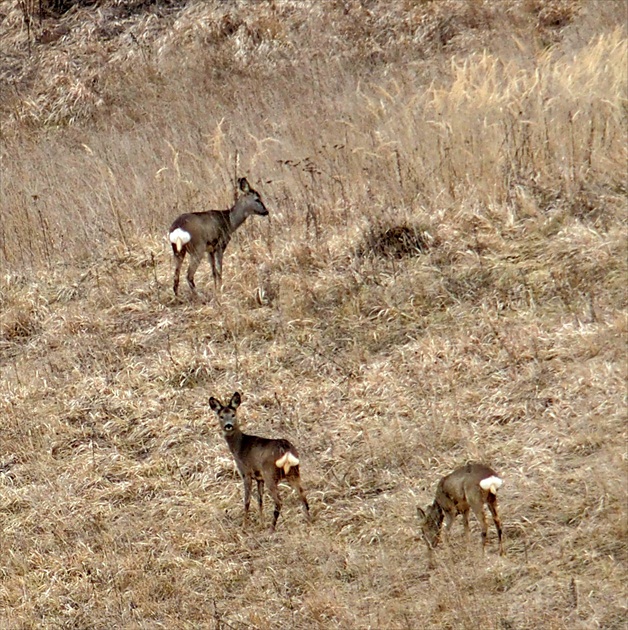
x: 436, y: 514
x: 234, y: 441
x: 238, y: 214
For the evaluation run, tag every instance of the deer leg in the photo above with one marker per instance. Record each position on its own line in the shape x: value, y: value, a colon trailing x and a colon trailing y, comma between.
x: 465, y: 519
x: 178, y: 261
x: 448, y: 521
x: 215, y: 258
x: 274, y: 493
x: 212, y: 262
x: 478, y: 510
x: 492, y: 506
x: 295, y: 482
x: 260, y: 499
x: 248, y: 482
x: 195, y: 261
x: 217, y: 269
x: 431, y: 558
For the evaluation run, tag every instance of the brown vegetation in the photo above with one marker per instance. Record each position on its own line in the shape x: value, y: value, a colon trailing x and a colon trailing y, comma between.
x: 442, y: 279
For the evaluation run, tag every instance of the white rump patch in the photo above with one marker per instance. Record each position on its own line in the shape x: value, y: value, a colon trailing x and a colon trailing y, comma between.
x: 492, y: 484
x: 287, y: 461
x: 179, y: 238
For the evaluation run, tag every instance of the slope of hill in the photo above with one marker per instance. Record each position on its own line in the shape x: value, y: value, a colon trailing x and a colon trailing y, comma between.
x: 442, y: 278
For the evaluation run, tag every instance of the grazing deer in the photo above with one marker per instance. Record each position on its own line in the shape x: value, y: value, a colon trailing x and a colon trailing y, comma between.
x: 469, y: 486
x: 265, y: 460
x: 195, y: 233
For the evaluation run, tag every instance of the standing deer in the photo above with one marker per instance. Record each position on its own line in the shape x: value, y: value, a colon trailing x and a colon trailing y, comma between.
x: 265, y: 460
x: 469, y: 486
x: 195, y: 233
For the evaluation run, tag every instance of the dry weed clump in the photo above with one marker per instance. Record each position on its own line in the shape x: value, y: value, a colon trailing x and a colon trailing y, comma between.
x: 396, y: 241
x: 441, y: 279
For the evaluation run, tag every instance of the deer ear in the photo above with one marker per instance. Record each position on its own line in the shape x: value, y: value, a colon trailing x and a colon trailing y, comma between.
x: 421, y: 514
x: 244, y: 185
x: 235, y: 401
x: 215, y: 404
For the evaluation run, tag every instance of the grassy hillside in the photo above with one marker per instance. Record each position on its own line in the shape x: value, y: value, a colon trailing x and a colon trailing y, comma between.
x: 442, y: 278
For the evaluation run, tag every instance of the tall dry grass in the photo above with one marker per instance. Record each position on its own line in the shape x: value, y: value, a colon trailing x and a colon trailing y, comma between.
x: 442, y: 278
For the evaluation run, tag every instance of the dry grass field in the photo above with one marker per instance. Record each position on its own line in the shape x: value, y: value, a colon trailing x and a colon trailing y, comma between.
x: 442, y: 278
